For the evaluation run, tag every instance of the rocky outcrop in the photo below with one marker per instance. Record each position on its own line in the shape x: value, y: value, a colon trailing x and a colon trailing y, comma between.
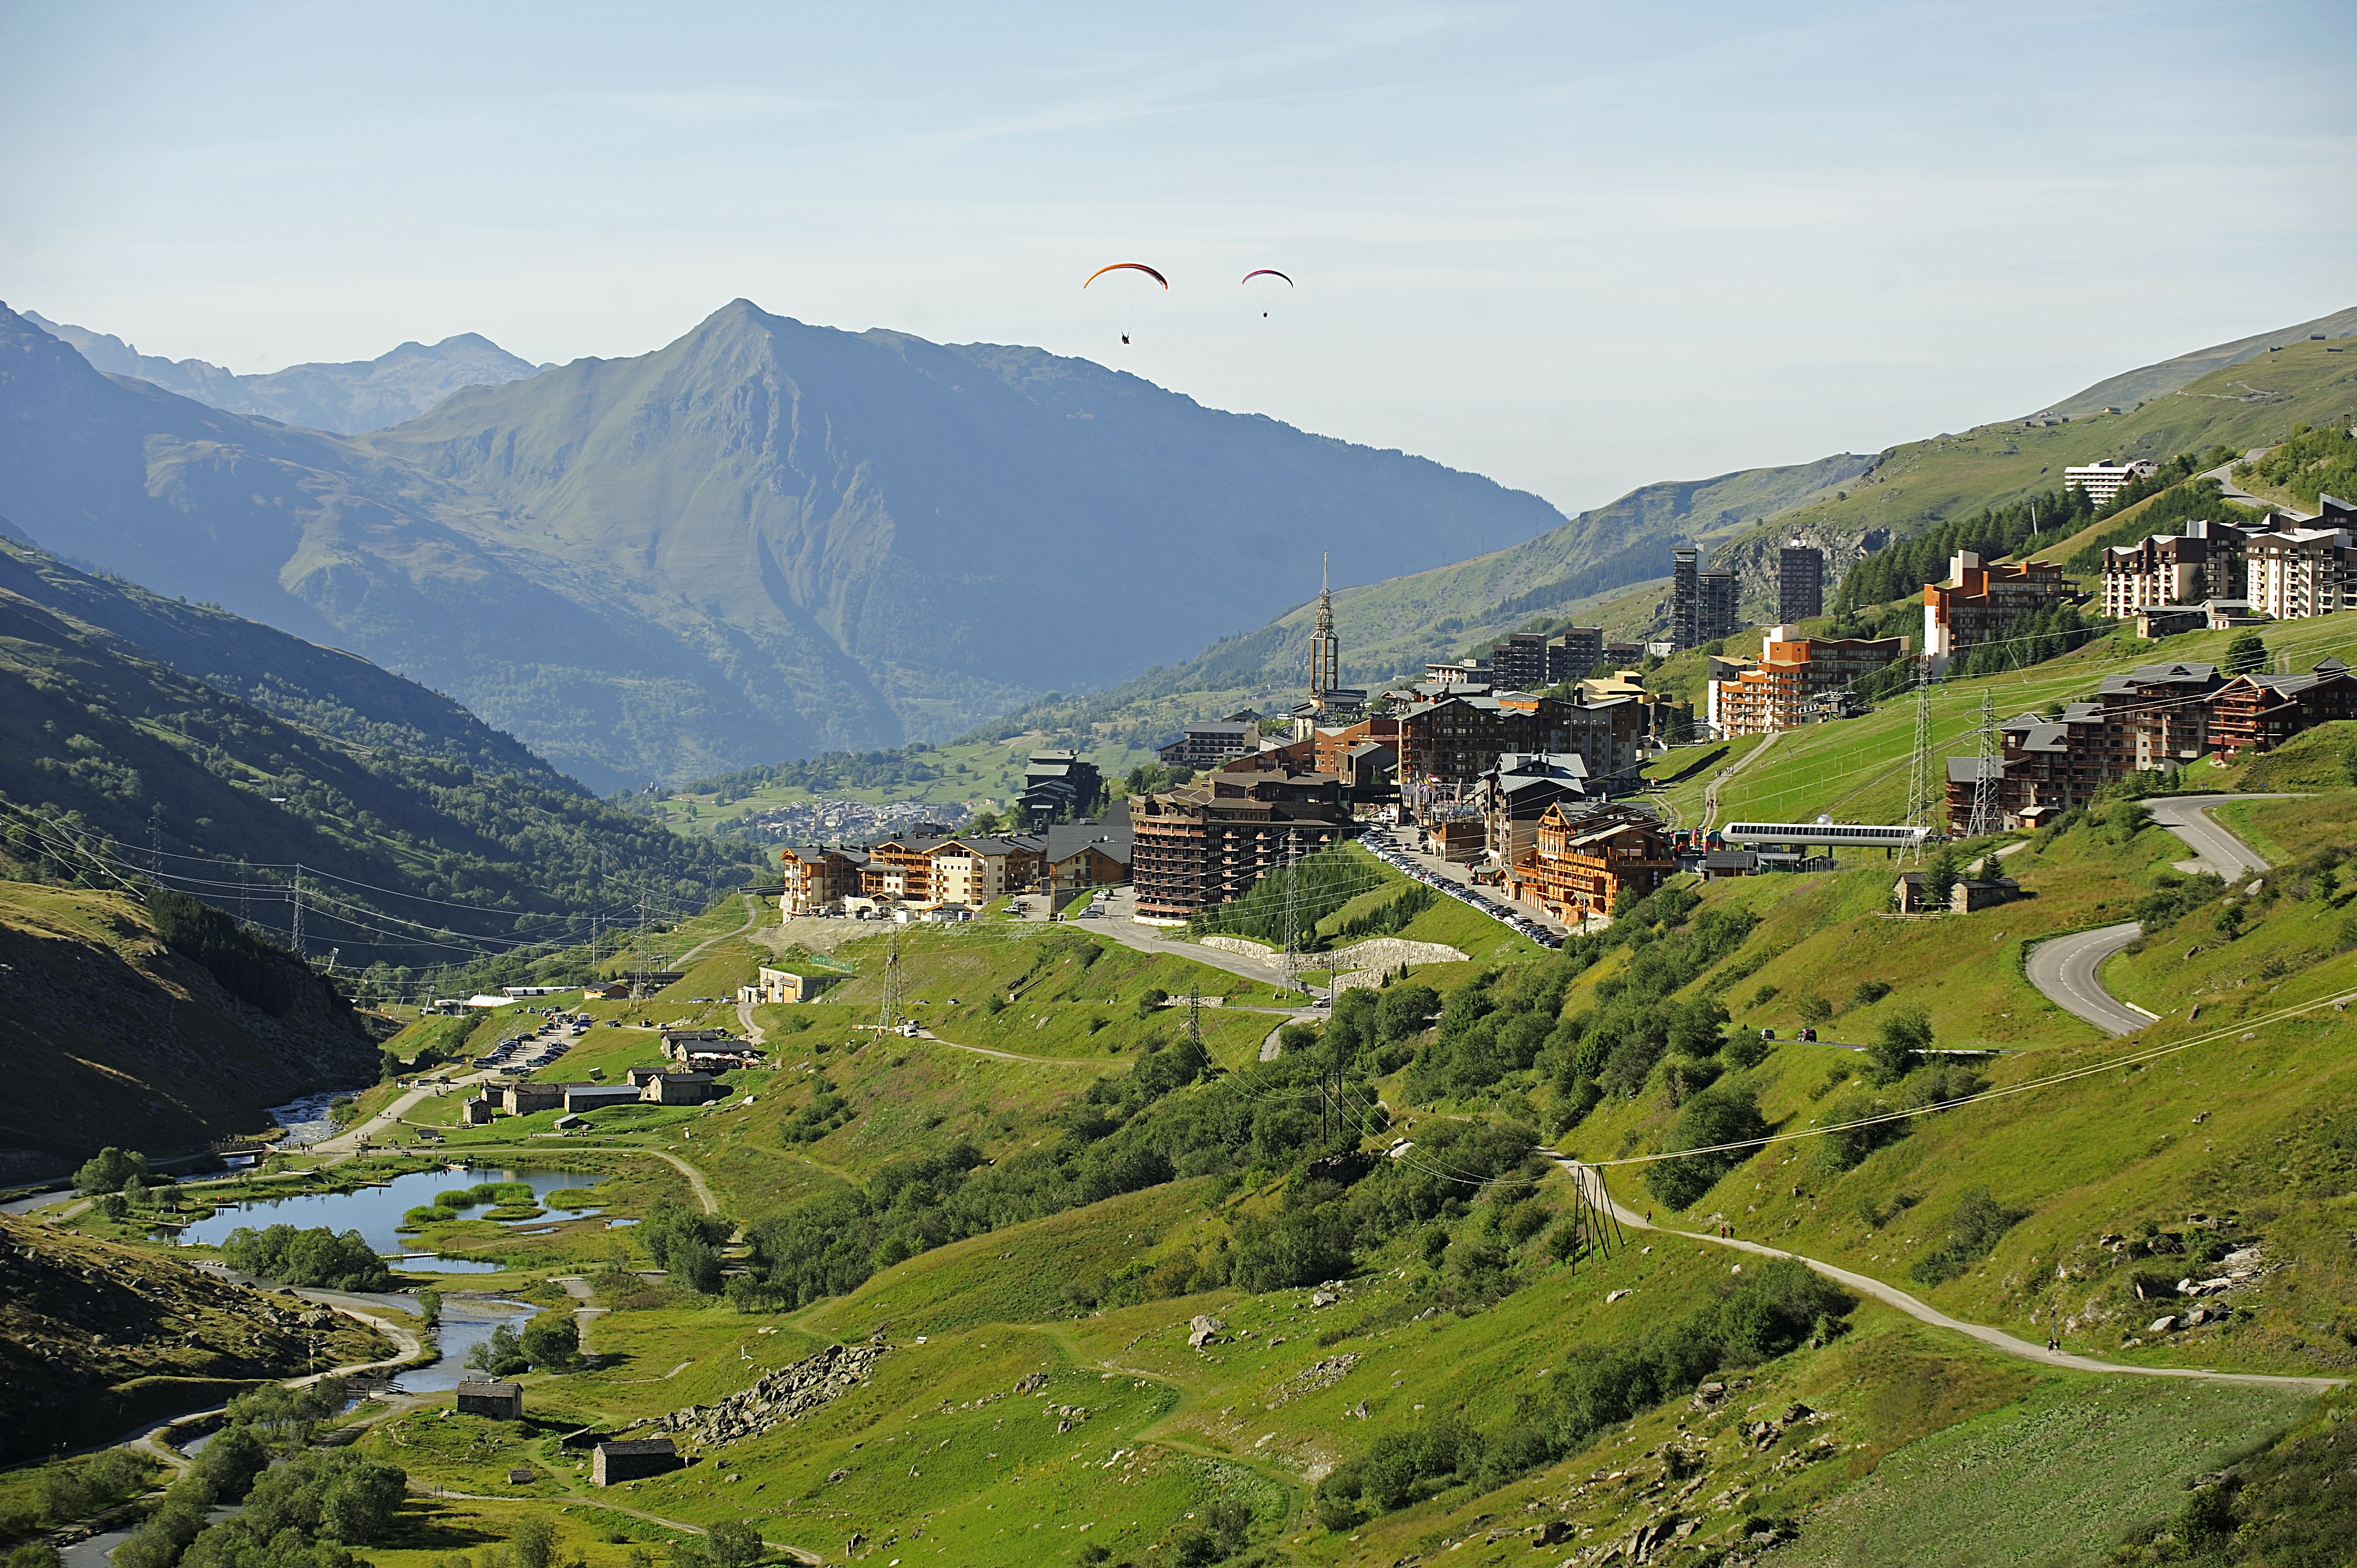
x: 773, y: 1399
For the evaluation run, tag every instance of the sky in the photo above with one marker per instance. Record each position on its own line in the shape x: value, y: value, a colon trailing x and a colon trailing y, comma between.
x: 1577, y: 248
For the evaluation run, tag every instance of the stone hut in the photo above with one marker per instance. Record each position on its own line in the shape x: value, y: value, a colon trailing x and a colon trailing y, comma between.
x: 631, y: 1461
x: 500, y: 1402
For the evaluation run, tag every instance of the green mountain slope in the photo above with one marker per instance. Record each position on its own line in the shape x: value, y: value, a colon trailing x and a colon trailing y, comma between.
x: 112, y: 1036
x: 426, y: 835
x: 1396, y: 1357
x: 2132, y: 387
x: 361, y: 394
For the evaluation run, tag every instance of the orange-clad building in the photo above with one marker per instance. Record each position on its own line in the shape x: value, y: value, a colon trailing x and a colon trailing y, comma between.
x: 1781, y: 691
x: 1977, y: 603
x: 1584, y: 860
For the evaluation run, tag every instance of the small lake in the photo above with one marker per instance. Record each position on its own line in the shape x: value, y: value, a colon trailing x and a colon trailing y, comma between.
x: 374, y: 1211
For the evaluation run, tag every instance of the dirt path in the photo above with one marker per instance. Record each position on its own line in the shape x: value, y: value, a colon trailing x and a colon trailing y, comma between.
x: 799, y: 1553
x: 1995, y: 1338
x: 1710, y: 790
x: 1010, y: 1055
x: 752, y: 919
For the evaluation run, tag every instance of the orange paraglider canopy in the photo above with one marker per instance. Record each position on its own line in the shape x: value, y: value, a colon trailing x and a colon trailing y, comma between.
x: 1257, y: 273
x: 1129, y: 266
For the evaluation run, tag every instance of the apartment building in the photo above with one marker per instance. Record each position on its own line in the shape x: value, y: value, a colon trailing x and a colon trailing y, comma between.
x: 1702, y: 602
x: 1582, y: 861
x: 1977, y: 603
x: 1203, y: 745
x: 2258, y: 713
x: 1784, y: 687
x: 1513, y: 795
x: 1800, y: 583
x: 925, y: 873
x: 1206, y: 842
x: 1575, y: 655
x: 1058, y: 784
x: 2160, y: 570
x: 2103, y: 480
x: 2157, y: 715
x: 817, y: 878
x: 1519, y: 663
x: 1453, y: 738
x: 2295, y: 572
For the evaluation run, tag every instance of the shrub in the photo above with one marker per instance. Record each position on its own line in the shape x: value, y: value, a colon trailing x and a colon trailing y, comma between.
x: 1815, y: 1009
x: 110, y: 1170
x: 553, y: 1341
x: 1868, y: 993
x: 317, y: 1257
x: 1726, y: 1113
x: 1975, y: 1227
x: 1900, y: 1045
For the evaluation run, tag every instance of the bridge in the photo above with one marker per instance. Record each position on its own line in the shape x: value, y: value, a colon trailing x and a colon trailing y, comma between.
x: 1840, y: 836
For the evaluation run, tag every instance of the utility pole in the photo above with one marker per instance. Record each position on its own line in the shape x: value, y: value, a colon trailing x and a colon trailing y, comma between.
x: 888, y: 1009
x: 156, y: 839
x: 1920, y: 798
x: 1194, y: 1012
x: 298, y: 909
x: 1292, y: 907
x: 1988, y: 774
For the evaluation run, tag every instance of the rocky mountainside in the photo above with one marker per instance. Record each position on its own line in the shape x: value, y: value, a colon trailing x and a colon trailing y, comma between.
x: 360, y: 394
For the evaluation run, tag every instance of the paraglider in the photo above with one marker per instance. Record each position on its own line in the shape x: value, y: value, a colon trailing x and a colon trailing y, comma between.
x: 1267, y: 273
x: 1128, y: 267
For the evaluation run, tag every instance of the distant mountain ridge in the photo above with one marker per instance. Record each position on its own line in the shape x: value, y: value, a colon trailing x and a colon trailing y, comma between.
x: 765, y: 540
x: 2132, y: 387
x: 360, y: 394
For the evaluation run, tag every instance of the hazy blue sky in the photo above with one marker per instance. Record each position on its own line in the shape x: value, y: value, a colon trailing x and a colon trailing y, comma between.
x: 1572, y: 247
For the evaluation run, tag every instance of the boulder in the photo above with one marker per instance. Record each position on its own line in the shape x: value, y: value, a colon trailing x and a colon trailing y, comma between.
x: 1203, y: 1329
x: 2162, y: 1325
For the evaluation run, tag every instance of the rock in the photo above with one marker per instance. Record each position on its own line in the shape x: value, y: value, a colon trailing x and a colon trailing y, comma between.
x: 1203, y: 1329
x: 1031, y: 1384
x: 1323, y: 1298
x: 1554, y: 1532
x: 1611, y: 1297
x: 1797, y: 1411
x: 838, y: 1475
x: 774, y: 1398
x: 2162, y: 1325
x: 1708, y: 1395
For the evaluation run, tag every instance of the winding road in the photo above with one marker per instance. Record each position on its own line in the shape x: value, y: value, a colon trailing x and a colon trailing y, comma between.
x: 1995, y: 1338
x: 2068, y: 969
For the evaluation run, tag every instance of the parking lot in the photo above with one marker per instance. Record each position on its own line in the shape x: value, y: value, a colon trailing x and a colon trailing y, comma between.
x: 1392, y: 847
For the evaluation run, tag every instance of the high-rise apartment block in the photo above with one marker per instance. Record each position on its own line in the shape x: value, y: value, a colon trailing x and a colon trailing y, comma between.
x: 1800, y: 583
x: 1702, y: 604
x: 1575, y: 655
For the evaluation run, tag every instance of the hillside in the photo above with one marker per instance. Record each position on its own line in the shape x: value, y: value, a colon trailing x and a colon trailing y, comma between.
x: 1847, y: 507
x: 762, y: 541
x: 1398, y: 1358
x: 95, y: 1337
x: 360, y: 394
x: 111, y: 1036
x: 2142, y: 385
x: 427, y: 837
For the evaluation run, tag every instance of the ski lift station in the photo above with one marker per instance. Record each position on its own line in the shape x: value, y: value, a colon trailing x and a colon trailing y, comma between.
x: 1824, y: 831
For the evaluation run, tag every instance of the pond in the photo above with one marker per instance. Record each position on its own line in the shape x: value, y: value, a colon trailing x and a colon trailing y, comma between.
x: 466, y: 1322
x: 374, y: 1211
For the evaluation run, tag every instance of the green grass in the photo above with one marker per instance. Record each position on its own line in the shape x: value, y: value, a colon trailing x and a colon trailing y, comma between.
x: 2072, y: 1469
x: 1856, y: 769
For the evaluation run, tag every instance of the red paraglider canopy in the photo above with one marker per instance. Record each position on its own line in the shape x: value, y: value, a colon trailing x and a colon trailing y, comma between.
x: 1132, y: 266
x: 1258, y: 272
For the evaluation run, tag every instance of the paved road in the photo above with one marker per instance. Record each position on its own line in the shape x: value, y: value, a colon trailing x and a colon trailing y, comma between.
x: 2215, y: 850
x: 2068, y: 970
x: 2229, y: 490
x: 1995, y: 1338
x: 2065, y: 969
